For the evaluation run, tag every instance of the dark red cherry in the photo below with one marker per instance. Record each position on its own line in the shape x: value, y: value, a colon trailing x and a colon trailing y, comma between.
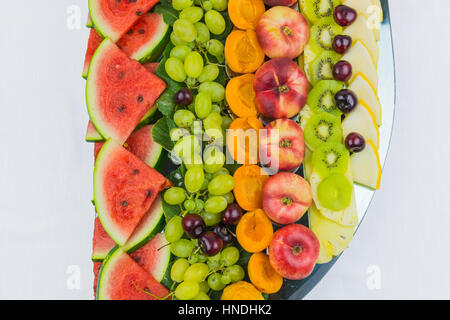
x: 341, y: 43
x: 232, y: 214
x: 210, y: 242
x: 344, y: 15
x: 183, y: 97
x: 355, y: 142
x: 193, y: 225
x: 223, y: 232
x: 346, y: 100
x: 342, y: 71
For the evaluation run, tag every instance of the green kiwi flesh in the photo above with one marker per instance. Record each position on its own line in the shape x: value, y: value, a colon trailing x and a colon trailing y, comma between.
x: 322, y: 66
x: 321, y: 97
x: 330, y: 157
x: 335, y: 192
x: 317, y: 9
x: 322, y: 127
x: 323, y: 33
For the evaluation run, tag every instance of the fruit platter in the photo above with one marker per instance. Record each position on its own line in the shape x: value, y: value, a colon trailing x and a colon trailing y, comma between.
x: 237, y: 143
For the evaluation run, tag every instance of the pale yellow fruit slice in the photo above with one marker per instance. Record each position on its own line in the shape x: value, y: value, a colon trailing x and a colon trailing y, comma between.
x: 359, y: 30
x: 377, y: 6
x: 333, y: 238
x: 362, y: 121
x: 370, y: 12
x: 361, y: 62
x: 364, y: 90
x: 366, y: 166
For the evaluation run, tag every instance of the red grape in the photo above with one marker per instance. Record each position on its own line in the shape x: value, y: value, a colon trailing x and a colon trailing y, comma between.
x: 346, y: 100
x: 342, y: 71
x: 341, y: 44
x: 344, y: 15
x: 183, y: 97
x: 193, y: 225
x: 355, y: 142
x: 232, y: 214
x: 210, y: 242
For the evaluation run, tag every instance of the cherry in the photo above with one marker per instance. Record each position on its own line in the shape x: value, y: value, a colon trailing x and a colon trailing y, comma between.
x: 342, y: 71
x: 341, y: 43
x: 183, y: 97
x: 232, y: 214
x: 222, y: 231
x: 193, y: 225
x: 346, y: 100
x: 355, y: 142
x: 344, y: 15
x: 210, y: 242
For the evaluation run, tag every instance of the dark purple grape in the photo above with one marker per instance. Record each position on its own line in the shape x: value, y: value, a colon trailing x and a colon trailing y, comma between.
x: 342, y: 43
x: 232, y: 214
x: 346, y: 100
x: 355, y: 142
x: 224, y: 233
x: 210, y: 242
x: 193, y: 225
x: 183, y: 97
x: 342, y: 71
x: 344, y: 15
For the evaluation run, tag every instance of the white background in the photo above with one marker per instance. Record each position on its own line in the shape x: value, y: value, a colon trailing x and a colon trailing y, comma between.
x: 46, y: 169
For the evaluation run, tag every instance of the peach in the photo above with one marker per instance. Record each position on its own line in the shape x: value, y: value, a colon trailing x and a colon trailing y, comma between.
x: 281, y: 88
x: 293, y: 251
x: 282, y: 32
x: 282, y: 145
x: 273, y: 3
x: 286, y: 197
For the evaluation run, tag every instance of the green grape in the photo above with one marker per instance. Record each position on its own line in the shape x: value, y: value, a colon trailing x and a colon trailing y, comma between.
x: 180, y: 52
x: 204, y: 287
x: 230, y: 197
x: 199, y: 205
x: 236, y: 273
x: 214, y: 261
x: 230, y: 255
x: 207, y: 5
x: 178, y: 269
x: 204, y: 185
x: 219, y: 5
x: 221, y: 171
x: 193, y: 179
x: 182, y: 248
x: 203, y: 34
x: 193, y: 64
x: 196, y: 272
x: 187, y: 290
x: 226, y: 279
x: 193, y: 258
x: 216, y: 118
x: 175, y: 69
x: 177, y: 41
x: 174, y: 195
x: 226, y: 122
x: 211, y: 219
x: 202, y: 257
x: 202, y: 105
x: 186, y: 146
x: 181, y: 4
x: 214, y: 159
x: 215, y: 136
x: 193, y: 160
x: 192, y: 14
x: 210, y: 123
x: 220, y: 58
x: 215, y: 47
x: 202, y: 296
x: 216, y: 204
x: 215, y: 22
x: 185, y: 30
x: 174, y: 229
x: 183, y: 118
x: 215, y: 282
x: 221, y: 185
x: 189, y: 205
x: 215, y: 90
x: 177, y: 133
x: 209, y: 73
x: 216, y: 108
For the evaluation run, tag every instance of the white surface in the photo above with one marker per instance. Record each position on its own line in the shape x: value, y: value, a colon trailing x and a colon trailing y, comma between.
x: 45, y: 166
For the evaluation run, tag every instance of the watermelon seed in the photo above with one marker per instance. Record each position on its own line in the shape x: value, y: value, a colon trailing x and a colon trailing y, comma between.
x: 124, y: 204
x: 130, y: 32
x: 137, y: 259
x: 135, y: 171
x: 140, y: 99
x: 149, y: 193
x: 122, y: 109
x: 141, y: 31
x: 139, y: 13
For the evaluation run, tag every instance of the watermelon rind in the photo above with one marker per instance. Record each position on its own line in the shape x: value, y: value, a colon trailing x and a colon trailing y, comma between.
x: 89, y: 23
x: 104, y: 271
x: 151, y: 224
x: 92, y: 135
x: 102, y: 25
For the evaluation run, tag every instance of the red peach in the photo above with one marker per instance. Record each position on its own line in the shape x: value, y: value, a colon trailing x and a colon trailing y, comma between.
x: 273, y: 3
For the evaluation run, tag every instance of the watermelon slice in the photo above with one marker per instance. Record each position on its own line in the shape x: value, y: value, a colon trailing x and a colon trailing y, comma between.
x: 124, y: 190
x: 119, y: 92
x: 113, y: 18
x: 92, y: 134
x: 146, y: 39
x: 97, y: 266
x: 121, y: 278
x: 89, y: 22
x: 101, y: 242
x: 97, y: 147
x: 151, y: 66
x: 155, y: 257
x: 94, y: 41
x: 142, y: 145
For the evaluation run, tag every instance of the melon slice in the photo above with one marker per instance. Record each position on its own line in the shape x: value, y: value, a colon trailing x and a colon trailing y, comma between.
x: 89, y: 22
x: 121, y: 278
x: 364, y: 90
x: 119, y: 92
x: 377, y: 5
x: 97, y: 147
x: 370, y: 12
x: 151, y: 66
x: 362, y: 121
x: 366, y: 166
x: 92, y: 134
x: 359, y: 30
x: 361, y: 62
x: 94, y: 41
x: 97, y: 266
x: 141, y: 144
x: 124, y: 190
x: 101, y: 242
x: 114, y: 18
x: 146, y: 39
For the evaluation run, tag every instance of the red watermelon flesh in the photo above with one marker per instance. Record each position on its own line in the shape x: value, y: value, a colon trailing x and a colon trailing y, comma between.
x: 97, y: 147
x: 119, y: 91
x: 101, y: 242
x: 97, y: 266
x: 151, y: 66
x: 124, y: 190
x: 114, y: 18
x: 94, y: 41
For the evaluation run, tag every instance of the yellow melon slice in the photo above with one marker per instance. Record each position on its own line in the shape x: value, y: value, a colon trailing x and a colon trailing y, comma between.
x: 364, y: 90
x: 359, y: 30
x: 377, y: 6
x: 366, y: 166
x: 362, y: 121
x: 370, y: 12
x: 361, y: 62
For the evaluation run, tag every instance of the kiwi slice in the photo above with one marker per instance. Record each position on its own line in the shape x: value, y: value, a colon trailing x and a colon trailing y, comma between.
x: 321, y: 97
x: 335, y: 192
x: 323, y: 33
x: 322, y: 127
x: 330, y: 157
x: 322, y: 66
x: 318, y: 9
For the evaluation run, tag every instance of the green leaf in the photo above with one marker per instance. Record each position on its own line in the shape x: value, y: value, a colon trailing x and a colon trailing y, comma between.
x: 170, y: 15
x: 161, y: 132
x: 177, y: 176
x: 170, y: 211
